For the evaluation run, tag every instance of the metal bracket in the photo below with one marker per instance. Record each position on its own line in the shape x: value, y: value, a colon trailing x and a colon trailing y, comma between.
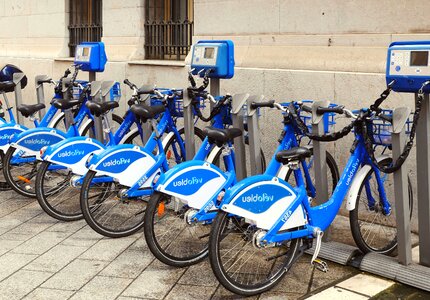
x: 17, y: 77
x: 401, y: 193
x: 237, y: 103
x: 189, y: 127
x: 40, y: 94
x: 319, y: 161
x: 254, y: 135
x: 68, y: 115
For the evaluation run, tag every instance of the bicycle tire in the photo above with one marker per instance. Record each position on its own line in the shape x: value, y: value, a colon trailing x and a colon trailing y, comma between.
x: 383, y: 244
x: 221, y: 268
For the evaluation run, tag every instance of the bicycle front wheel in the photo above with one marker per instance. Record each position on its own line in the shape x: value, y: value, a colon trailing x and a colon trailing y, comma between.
x: 57, y: 197
x: 169, y: 237
x: 108, y: 211
x: 372, y: 229
x: 239, y: 265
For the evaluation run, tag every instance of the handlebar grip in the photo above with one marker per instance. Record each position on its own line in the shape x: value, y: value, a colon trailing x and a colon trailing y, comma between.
x: 131, y: 85
x: 335, y: 109
x: 67, y: 73
x: 269, y: 104
x: 44, y: 81
x: 306, y: 108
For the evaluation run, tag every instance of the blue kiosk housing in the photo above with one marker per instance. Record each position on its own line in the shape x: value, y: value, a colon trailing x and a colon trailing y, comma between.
x: 91, y: 56
x: 216, y: 55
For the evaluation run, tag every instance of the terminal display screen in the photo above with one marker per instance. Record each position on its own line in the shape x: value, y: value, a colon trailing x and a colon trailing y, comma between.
x: 209, y: 53
x: 419, y: 58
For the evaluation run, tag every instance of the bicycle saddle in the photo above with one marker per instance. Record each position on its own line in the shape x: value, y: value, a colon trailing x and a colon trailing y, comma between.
x: 221, y: 136
x: 99, y: 108
x: 65, y: 103
x: 297, y: 153
x: 146, y: 112
x: 146, y: 89
x: 29, y: 109
x: 7, y: 86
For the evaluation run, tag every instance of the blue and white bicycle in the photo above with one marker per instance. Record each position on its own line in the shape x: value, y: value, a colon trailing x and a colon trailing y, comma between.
x: 179, y: 214
x: 264, y: 224
x: 20, y: 161
x: 58, y: 179
x: 120, y: 179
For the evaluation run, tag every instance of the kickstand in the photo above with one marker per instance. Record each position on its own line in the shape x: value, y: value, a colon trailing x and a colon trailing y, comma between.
x: 318, y: 263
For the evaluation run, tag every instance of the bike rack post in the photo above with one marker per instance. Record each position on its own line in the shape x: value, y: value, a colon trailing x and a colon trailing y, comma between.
x: 17, y: 77
x: 238, y: 101
x: 189, y: 127
x: 105, y: 91
x: 401, y: 193
x: 423, y: 180
x: 40, y: 94
x: 319, y: 152
x: 68, y: 115
x: 96, y: 95
x: 254, y: 135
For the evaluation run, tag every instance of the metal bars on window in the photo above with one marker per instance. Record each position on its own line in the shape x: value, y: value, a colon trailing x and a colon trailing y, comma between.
x: 168, y: 29
x: 85, y: 22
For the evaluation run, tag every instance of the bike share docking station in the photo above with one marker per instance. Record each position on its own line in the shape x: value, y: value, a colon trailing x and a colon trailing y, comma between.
x: 216, y: 59
x: 408, y: 71
x: 91, y: 57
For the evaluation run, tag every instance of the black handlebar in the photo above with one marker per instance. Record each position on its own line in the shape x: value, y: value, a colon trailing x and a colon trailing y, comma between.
x: 131, y: 85
x: 335, y: 109
x: 269, y: 104
x: 49, y: 80
x: 386, y: 118
x: 306, y: 108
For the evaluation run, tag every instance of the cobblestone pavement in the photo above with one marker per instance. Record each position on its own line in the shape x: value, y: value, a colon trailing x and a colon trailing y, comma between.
x: 41, y: 258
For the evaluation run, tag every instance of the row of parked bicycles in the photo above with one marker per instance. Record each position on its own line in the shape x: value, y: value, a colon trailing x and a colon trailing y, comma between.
x: 253, y: 230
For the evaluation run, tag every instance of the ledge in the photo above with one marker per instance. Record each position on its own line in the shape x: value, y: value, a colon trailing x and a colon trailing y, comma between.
x: 64, y: 59
x: 150, y: 62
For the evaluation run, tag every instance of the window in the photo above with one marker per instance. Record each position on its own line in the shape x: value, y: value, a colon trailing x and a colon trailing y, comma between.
x: 168, y: 29
x: 85, y: 22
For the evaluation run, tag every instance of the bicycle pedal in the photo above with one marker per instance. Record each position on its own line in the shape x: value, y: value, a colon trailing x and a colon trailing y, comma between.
x: 320, y: 265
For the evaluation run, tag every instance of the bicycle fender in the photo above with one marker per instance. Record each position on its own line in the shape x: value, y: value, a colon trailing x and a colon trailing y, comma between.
x: 194, y: 182
x: 351, y: 197
x: 125, y: 163
x: 262, y: 200
x: 32, y: 140
x: 73, y: 153
x: 6, y: 132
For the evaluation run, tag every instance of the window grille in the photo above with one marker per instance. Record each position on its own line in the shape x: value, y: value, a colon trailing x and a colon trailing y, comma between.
x: 168, y: 29
x: 85, y: 22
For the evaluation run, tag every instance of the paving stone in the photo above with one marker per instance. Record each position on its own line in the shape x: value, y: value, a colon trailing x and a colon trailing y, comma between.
x: 140, y: 244
x: 129, y: 264
x: 41, y: 242
x: 80, y: 271
x: 103, y: 288
x: 366, y: 284
x: 279, y: 296
x: 185, y: 292
x: 7, y: 245
x: 108, y: 249
x: 296, y: 280
x: 12, y: 262
x: 56, y: 258
x: 31, y: 228
x: 13, y: 236
x: 335, y: 273
x: 11, y: 205
x: 200, y: 274
x: 21, y: 283
x: 155, y: 282
x: 338, y: 294
x: 48, y: 294
x: 84, y: 237
x: 223, y: 294
x: 70, y: 227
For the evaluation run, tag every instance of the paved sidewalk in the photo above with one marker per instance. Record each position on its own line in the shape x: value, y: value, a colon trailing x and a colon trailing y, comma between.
x: 41, y: 258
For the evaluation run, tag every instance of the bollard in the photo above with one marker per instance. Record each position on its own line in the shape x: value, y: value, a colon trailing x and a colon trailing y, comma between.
x: 319, y: 158
x: 189, y: 127
x: 254, y: 135
x: 238, y: 101
x: 17, y: 77
x: 401, y: 193
x: 423, y: 181
x: 40, y: 94
x: 96, y: 91
x: 68, y: 114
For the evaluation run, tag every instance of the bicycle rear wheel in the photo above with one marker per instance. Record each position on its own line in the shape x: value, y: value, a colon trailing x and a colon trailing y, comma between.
x: 372, y: 230
x: 239, y: 265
